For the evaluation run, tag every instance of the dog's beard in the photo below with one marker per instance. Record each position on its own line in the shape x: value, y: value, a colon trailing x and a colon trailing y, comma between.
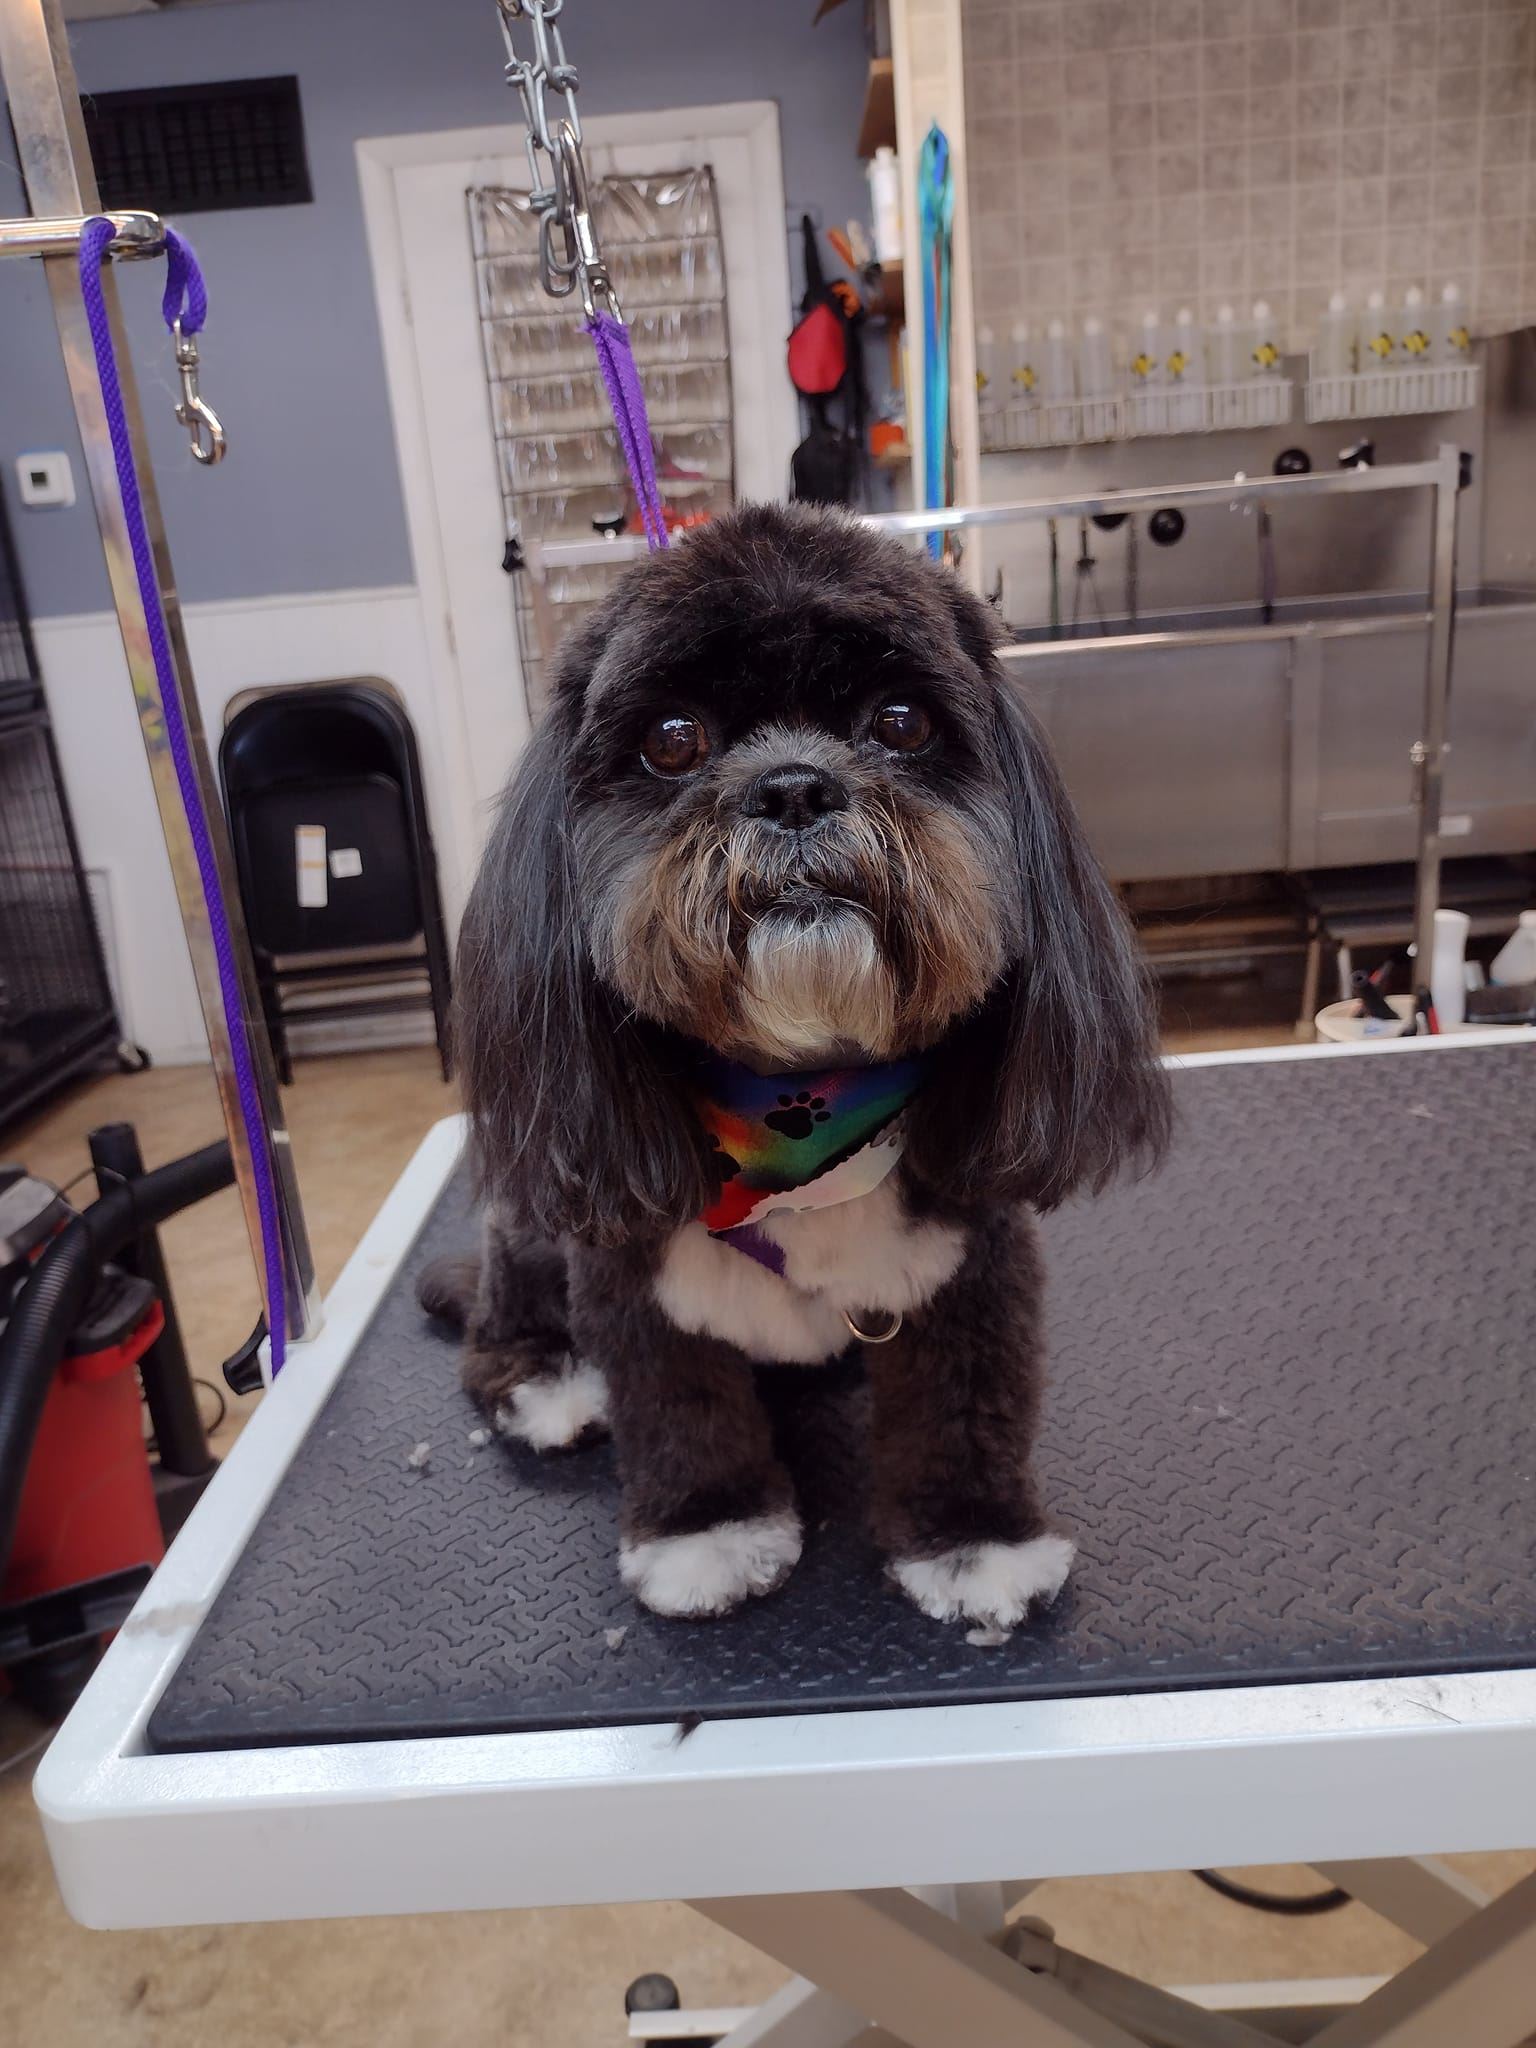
x: 813, y: 982
x: 866, y: 937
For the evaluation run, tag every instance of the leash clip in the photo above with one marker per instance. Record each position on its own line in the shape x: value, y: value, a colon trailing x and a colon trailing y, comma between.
x: 209, y: 443
x: 581, y: 263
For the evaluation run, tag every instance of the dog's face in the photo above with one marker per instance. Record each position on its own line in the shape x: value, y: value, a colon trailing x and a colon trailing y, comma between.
x: 785, y: 803
x: 790, y: 824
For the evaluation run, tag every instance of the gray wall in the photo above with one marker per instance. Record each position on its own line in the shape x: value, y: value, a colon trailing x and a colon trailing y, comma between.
x: 310, y: 497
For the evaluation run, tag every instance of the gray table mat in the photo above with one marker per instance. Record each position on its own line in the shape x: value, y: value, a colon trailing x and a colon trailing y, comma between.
x: 1291, y: 1425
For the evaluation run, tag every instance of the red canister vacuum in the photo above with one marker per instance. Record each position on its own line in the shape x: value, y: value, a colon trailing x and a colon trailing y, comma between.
x: 87, y: 1327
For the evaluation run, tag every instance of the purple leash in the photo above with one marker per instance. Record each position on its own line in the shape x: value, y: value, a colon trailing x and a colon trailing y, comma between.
x: 621, y: 380
x: 187, y: 301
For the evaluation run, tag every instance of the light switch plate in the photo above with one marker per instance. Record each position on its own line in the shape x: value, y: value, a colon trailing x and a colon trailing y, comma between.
x: 46, y: 479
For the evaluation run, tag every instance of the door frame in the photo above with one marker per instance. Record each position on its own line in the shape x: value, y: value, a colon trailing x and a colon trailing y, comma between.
x: 448, y: 478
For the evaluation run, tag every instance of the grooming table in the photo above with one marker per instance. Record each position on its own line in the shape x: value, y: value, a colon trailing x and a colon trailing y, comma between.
x: 1291, y: 1423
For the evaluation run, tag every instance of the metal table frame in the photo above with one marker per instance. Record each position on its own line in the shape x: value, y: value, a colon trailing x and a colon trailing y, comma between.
x: 798, y: 1832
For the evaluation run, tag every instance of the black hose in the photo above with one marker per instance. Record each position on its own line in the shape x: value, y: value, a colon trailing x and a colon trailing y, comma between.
x: 56, y: 1291
x: 1294, y: 1905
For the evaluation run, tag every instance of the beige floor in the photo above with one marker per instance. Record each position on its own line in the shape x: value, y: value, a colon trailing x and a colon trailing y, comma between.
x: 520, y: 1980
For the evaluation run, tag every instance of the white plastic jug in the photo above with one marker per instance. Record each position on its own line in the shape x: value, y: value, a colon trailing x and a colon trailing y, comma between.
x: 1448, y: 969
x: 1514, y: 965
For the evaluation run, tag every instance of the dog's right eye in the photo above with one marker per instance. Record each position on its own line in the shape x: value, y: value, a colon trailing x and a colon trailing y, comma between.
x: 675, y: 744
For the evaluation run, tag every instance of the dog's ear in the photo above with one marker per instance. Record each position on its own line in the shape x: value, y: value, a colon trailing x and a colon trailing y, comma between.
x: 1054, y: 1082
x: 579, y: 1127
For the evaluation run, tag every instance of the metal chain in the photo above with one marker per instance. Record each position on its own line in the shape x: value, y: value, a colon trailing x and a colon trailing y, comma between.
x: 569, y: 257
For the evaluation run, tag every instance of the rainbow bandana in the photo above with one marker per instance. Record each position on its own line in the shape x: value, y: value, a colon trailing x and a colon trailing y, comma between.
x: 797, y: 1141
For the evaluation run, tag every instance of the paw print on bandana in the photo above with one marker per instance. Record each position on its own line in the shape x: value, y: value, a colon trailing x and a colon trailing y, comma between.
x: 798, y: 1115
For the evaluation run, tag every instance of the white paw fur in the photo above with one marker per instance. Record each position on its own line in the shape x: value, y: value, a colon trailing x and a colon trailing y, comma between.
x: 713, y: 1570
x: 550, y: 1411
x: 995, y: 1583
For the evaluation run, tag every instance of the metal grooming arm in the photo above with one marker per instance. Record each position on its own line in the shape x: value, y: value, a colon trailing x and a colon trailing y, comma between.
x: 39, y: 78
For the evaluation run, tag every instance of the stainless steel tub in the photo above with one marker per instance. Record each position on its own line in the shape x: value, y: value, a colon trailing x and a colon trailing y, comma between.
x: 1212, y: 744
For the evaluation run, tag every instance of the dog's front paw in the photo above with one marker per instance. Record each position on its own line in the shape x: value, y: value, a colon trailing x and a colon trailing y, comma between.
x: 555, y: 1411
x: 712, y: 1570
x: 993, y: 1583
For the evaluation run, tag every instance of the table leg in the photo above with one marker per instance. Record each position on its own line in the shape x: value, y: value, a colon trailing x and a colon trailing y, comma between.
x: 1476, y: 1988
x: 1420, y: 1894
x: 1142, y: 2009
x: 905, y: 1965
x: 799, y: 2016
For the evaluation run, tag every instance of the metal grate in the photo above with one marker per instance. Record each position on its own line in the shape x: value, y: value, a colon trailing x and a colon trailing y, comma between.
x: 56, y: 1009
x: 50, y: 955
x: 562, y: 475
x: 200, y: 148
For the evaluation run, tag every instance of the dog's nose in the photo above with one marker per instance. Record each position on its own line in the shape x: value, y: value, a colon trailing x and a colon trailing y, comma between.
x: 794, y: 795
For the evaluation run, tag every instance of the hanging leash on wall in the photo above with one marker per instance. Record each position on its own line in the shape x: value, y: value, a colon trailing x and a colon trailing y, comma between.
x: 570, y: 260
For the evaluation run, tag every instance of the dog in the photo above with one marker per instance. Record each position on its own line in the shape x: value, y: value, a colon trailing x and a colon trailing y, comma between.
x: 787, y: 873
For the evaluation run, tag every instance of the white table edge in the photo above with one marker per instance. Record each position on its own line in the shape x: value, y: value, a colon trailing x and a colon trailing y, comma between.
x: 1250, y: 1774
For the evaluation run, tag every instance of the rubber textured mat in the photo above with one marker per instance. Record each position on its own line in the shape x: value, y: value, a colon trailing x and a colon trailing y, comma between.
x: 1290, y: 1425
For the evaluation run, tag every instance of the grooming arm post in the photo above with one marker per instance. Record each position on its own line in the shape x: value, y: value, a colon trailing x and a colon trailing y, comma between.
x: 1429, y: 751
x: 55, y: 160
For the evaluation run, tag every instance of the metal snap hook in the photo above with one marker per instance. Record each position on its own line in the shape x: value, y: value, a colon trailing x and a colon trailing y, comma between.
x: 209, y: 442
x: 585, y: 260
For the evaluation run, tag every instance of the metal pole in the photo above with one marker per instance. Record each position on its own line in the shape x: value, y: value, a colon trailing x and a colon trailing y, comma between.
x: 39, y: 78
x: 1231, y: 492
x: 544, y: 556
x: 1428, y: 752
x: 138, y: 234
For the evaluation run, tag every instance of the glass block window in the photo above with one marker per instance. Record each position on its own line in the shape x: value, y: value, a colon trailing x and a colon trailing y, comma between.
x: 562, y: 475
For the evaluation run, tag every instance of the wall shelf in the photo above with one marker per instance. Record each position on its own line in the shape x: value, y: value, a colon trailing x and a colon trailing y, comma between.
x: 1385, y: 394
x: 1212, y: 408
x: 1202, y: 409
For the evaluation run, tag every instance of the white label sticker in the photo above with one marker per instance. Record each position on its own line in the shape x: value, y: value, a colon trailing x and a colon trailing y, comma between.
x: 346, y: 861
x: 309, y: 859
x: 1456, y: 825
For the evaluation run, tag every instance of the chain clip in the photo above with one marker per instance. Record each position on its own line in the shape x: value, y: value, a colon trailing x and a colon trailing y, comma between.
x: 569, y: 257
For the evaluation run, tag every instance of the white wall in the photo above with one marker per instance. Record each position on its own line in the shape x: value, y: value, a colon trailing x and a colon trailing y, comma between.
x: 236, y: 645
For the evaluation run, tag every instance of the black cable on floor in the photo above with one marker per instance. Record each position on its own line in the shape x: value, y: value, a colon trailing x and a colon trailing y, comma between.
x: 223, y: 1406
x: 1293, y: 1904
x: 151, y: 1444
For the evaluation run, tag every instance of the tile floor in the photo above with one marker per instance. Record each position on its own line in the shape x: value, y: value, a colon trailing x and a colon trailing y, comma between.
x: 519, y: 1980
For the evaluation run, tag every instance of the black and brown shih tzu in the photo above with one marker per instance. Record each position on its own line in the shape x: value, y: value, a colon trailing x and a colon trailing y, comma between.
x: 788, y: 987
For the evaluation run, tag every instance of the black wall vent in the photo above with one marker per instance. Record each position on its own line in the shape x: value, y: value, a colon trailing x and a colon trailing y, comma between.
x: 200, y: 148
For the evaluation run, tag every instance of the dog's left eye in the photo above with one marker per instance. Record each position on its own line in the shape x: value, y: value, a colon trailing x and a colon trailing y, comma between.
x: 902, y: 727
x: 674, y: 744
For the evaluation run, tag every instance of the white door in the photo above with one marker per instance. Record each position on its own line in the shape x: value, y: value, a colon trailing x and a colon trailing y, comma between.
x: 414, y: 191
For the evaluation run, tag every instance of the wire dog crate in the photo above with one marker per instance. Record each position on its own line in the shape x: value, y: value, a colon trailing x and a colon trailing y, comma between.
x: 56, y: 1010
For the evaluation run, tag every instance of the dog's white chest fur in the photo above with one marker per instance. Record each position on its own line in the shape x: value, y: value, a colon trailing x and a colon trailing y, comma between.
x: 867, y: 1254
